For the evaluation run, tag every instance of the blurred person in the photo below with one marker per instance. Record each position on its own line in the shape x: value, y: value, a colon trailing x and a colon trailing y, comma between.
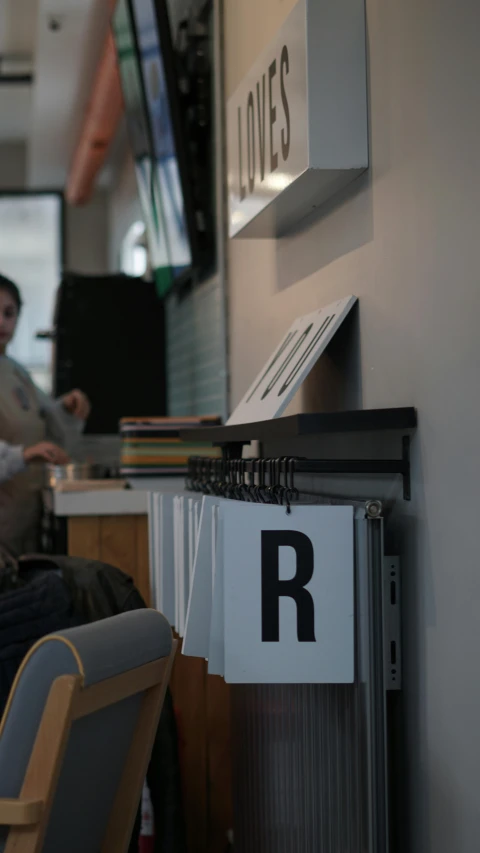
x: 14, y: 459
x: 34, y: 429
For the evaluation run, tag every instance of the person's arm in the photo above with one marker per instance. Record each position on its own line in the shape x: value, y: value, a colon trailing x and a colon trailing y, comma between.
x: 65, y: 417
x: 14, y: 459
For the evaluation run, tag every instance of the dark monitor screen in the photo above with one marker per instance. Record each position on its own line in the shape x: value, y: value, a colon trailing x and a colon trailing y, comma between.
x: 131, y: 82
x: 160, y: 85
x: 140, y: 141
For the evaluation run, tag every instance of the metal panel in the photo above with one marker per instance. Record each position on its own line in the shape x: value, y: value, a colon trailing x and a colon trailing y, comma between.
x: 310, y: 760
x: 391, y: 623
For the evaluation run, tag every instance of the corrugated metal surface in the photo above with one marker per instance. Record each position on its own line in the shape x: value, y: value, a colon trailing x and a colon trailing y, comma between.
x: 196, y: 352
x: 299, y: 773
x: 310, y: 772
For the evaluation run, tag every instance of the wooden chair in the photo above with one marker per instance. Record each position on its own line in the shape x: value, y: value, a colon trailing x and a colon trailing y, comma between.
x: 77, y: 734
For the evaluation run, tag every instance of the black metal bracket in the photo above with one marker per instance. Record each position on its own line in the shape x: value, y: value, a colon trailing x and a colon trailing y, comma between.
x: 407, y: 482
x: 363, y: 466
x: 232, y: 450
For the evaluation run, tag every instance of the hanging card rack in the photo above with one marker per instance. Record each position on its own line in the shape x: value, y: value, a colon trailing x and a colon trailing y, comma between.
x: 233, y: 472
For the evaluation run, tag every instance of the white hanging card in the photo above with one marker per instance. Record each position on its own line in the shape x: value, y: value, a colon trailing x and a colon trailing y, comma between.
x: 216, y: 651
x: 182, y: 569
x: 191, y: 538
x: 280, y: 378
x: 197, y: 511
x: 194, y: 505
x: 164, y: 546
x: 197, y: 629
x: 177, y: 549
x: 214, y: 536
x: 153, y: 556
x: 185, y: 581
x: 161, y: 553
x: 289, y: 594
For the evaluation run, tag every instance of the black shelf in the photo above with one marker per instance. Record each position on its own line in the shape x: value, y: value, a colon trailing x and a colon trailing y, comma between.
x: 362, y: 420
x: 209, y: 473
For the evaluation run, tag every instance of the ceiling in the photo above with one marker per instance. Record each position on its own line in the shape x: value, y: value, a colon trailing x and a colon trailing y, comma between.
x: 47, y: 115
x: 64, y: 39
x: 66, y: 61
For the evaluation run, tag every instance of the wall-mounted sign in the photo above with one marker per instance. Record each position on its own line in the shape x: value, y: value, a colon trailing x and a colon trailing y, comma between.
x: 270, y: 595
x: 286, y: 369
x: 297, y: 124
x: 288, y: 593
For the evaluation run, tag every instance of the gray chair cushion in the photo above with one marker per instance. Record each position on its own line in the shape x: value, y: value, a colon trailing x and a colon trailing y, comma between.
x: 98, y: 744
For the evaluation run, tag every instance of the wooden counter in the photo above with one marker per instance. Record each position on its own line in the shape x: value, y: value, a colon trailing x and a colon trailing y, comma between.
x: 121, y: 540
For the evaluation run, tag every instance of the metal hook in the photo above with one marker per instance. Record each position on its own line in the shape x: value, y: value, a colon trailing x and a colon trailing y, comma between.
x: 279, y: 489
x: 292, y: 493
x: 229, y: 489
x: 238, y: 480
x: 251, y: 485
x: 275, y: 480
x: 243, y: 485
x: 283, y: 488
x: 261, y: 481
x: 269, y: 490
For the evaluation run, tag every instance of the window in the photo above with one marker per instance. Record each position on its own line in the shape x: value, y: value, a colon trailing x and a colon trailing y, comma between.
x: 30, y: 254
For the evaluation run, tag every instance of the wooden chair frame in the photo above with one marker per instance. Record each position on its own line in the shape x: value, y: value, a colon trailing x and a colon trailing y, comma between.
x: 68, y: 701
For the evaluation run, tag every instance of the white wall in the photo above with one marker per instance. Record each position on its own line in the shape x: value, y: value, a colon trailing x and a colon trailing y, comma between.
x: 406, y: 242
x: 87, y: 235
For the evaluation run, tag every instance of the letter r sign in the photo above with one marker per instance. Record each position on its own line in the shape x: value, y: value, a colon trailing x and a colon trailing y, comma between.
x: 273, y: 588
x: 288, y: 594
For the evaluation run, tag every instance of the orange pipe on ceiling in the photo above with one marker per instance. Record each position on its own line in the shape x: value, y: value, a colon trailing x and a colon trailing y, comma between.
x: 99, y: 127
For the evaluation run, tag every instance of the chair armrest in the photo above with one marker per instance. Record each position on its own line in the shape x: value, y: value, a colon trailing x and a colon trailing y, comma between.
x: 20, y: 812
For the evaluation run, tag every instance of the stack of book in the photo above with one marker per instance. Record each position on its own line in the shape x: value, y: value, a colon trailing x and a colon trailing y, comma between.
x: 152, y: 446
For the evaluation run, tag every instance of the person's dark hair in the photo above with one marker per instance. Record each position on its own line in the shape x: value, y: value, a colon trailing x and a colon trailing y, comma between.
x: 10, y: 287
